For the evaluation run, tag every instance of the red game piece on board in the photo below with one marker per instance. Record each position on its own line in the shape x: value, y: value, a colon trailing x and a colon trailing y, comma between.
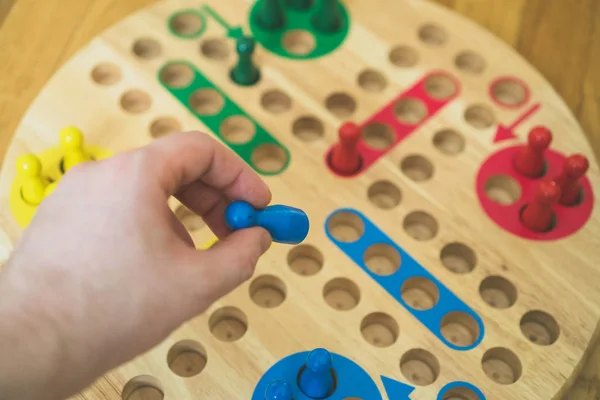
x: 574, y: 168
x: 538, y: 215
x: 529, y: 161
x: 345, y: 158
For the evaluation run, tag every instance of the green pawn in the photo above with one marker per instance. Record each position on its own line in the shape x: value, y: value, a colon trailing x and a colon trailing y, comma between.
x: 328, y: 18
x: 245, y: 72
x: 271, y: 16
x: 299, y: 4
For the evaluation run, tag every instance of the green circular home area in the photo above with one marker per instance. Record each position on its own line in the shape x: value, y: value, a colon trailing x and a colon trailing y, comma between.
x: 299, y: 29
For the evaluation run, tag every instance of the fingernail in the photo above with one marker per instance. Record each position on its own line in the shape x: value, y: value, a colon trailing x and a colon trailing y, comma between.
x: 265, y: 242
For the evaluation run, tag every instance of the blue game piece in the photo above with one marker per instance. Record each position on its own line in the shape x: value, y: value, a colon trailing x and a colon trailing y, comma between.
x: 286, y: 224
x: 316, y: 380
x: 279, y: 390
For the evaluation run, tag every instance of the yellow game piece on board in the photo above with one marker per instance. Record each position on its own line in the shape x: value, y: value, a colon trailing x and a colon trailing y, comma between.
x: 209, y: 243
x: 33, y: 186
x: 50, y: 188
x: 71, y: 142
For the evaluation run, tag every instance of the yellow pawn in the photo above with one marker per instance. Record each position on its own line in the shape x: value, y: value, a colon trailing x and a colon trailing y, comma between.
x: 50, y: 188
x: 34, y: 185
x: 71, y: 142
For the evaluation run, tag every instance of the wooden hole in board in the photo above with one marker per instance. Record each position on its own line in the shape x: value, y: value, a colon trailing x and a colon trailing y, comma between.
x: 268, y: 291
x: 403, y: 56
x: 228, y: 324
x: 341, y: 105
x: 410, y: 111
x: 237, y: 129
x: 540, y: 328
x: 384, y: 194
x: 440, y: 86
x: 298, y: 42
x: 345, y: 226
x: 498, y: 292
x: 420, y: 367
x: 449, y: 142
x: 305, y: 260
x: 164, y: 126
x: 187, y: 24
x: 308, y: 128
x: 501, y: 365
x: 136, y: 101
x: 433, y: 35
x: 146, y: 48
x: 269, y: 158
x: 106, y: 74
x: 479, y: 116
x: 275, y: 101
x: 206, y: 102
x: 459, y: 328
x: 143, y: 387
x: 382, y: 259
x: 502, y: 189
x: 378, y: 135
x: 372, y: 80
x: 187, y: 358
x: 420, y: 225
x: 417, y: 168
x: 341, y: 294
x: 509, y: 92
x: 192, y: 221
x: 177, y: 75
x: 458, y: 258
x: 460, y: 393
x: 214, y: 49
x: 379, y: 329
x: 420, y: 293
x: 470, y: 62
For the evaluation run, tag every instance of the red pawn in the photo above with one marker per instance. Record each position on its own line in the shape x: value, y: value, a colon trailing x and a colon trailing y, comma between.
x: 538, y: 214
x: 345, y: 158
x: 529, y: 161
x: 574, y: 168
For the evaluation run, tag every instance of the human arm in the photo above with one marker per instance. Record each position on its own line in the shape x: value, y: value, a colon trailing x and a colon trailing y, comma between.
x: 105, y: 271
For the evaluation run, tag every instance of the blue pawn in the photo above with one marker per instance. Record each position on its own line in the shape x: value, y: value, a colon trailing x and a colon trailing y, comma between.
x: 279, y: 390
x: 316, y: 380
x: 286, y: 224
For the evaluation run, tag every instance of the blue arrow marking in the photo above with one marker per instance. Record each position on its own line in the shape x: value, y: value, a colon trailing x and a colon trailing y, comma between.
x: 396, y: 390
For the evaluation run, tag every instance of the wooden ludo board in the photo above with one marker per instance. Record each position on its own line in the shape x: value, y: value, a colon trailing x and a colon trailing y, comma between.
x: 416, y: 271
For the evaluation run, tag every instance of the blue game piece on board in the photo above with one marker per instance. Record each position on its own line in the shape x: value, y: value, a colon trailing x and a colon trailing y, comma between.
x: 279, y: 390
x: 316, y: 380
x: 286, y: 224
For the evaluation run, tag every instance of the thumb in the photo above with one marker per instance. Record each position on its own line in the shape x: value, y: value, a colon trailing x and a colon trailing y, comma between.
x: 227, y: 264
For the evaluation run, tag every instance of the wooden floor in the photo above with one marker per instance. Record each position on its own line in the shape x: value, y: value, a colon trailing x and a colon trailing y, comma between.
x: 561, y: 38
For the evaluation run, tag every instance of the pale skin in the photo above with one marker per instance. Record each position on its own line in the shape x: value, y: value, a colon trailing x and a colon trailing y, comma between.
x: 105, y: 271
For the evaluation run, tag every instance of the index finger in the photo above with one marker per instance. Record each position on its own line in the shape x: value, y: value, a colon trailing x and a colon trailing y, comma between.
x: 186, y: 157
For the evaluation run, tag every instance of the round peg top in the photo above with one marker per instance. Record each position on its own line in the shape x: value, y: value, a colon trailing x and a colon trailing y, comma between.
x: 240, y: 215
x: 29, y: 166
x: 576, y: 166
x: 279, y: 390
x: 349, y: 133
x: 548, y: 192
x: 319, y: 360
x: 71, y: 138
x: 245, y: 45
x: 539, y: 138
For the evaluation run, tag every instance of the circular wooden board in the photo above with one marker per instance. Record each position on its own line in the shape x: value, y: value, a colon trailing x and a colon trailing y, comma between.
x: 431, y: 90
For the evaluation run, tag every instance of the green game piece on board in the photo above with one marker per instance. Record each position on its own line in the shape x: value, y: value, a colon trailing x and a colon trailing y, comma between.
x: 245, y: 73
x: 299, y: 4
x: 328, y: 18
x: 271, y: 16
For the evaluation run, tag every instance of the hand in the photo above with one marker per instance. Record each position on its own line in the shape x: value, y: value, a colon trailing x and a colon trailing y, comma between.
x: 105, y: 271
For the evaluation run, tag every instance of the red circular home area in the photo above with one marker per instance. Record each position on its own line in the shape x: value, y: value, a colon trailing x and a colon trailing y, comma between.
x: 503, y: 193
